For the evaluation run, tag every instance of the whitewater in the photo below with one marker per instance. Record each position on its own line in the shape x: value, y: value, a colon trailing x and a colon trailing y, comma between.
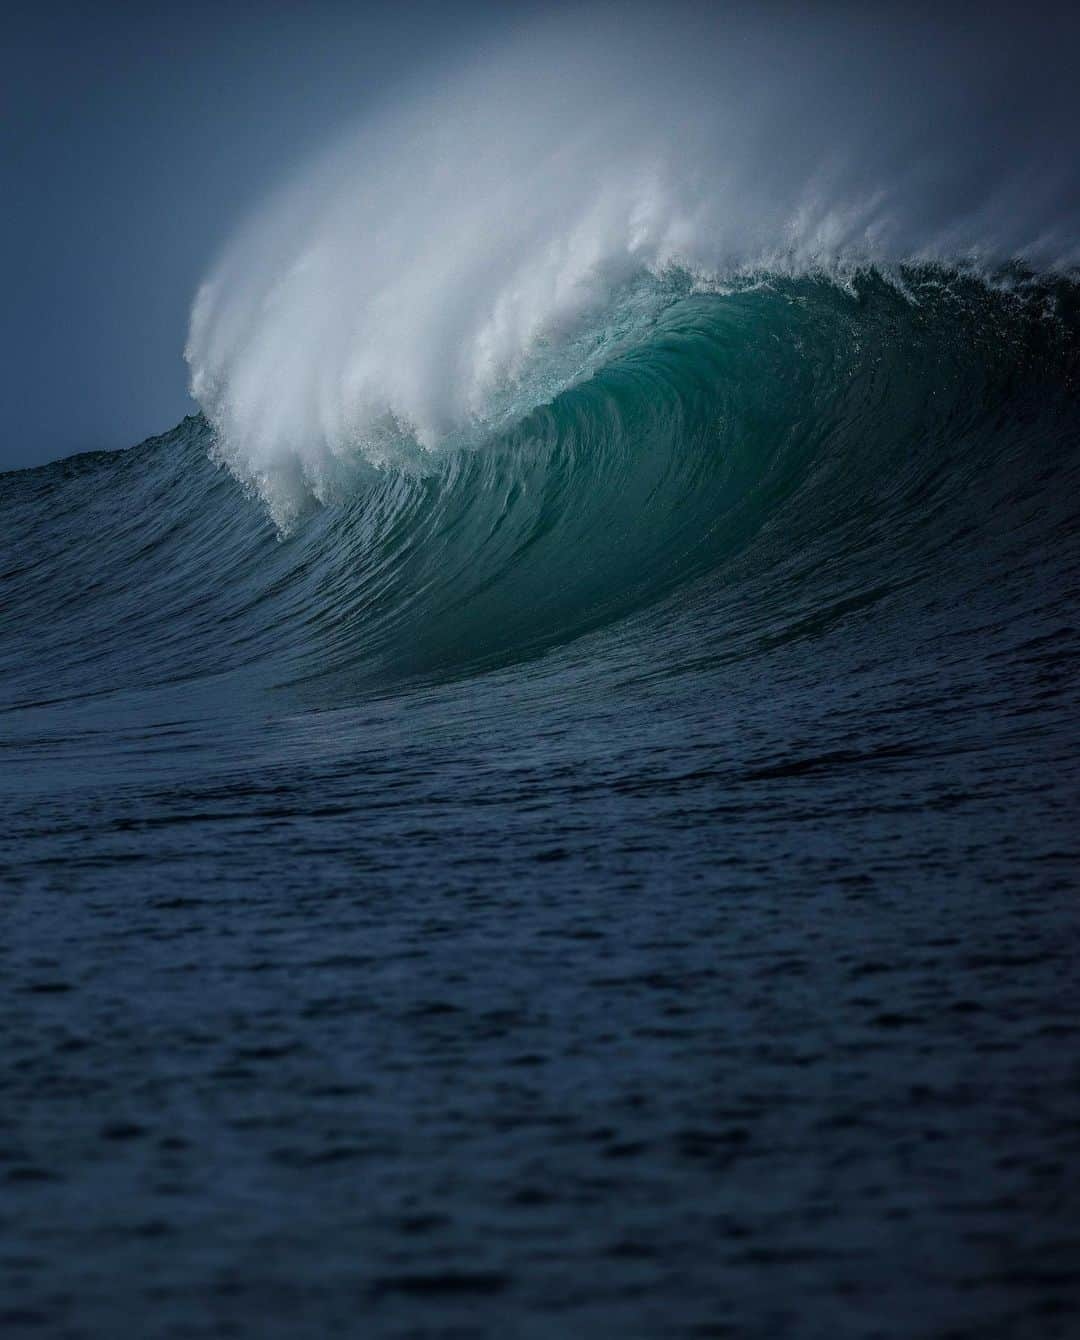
x: 463, y: 256
x: 547, y: 805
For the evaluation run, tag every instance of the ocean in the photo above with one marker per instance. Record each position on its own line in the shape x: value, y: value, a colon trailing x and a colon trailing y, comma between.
x: 613, y: 876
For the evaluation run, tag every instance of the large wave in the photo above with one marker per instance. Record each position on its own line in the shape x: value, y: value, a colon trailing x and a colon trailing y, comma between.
x: 489, y: 241
x: 774, y: 459
x: 599, y: 324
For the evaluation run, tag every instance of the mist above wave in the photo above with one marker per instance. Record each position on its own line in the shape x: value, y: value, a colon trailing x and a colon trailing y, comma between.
x: 484, y: 243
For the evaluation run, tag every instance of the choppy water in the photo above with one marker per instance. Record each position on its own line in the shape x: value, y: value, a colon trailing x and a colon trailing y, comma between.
x: 615, y: 879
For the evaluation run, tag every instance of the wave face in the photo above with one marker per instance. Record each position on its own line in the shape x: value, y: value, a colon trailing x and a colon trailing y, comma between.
x: 785, y: 450
x: 578, y: 737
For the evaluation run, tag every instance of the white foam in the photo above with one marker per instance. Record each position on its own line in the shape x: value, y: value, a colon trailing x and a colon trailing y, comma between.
x: 444, y: 263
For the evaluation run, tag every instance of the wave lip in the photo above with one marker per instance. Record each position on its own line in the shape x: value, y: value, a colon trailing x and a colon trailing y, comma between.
x: 428, y: 279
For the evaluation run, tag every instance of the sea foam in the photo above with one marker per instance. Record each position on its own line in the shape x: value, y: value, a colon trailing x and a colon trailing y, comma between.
x: 464, y: 253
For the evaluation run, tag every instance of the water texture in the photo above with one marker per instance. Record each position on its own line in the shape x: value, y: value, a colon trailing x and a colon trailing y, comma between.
x: 548, y: 806
x: 620, y: 879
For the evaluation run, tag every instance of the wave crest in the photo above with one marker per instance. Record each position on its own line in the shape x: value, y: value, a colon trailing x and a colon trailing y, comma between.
x: 480, y: 248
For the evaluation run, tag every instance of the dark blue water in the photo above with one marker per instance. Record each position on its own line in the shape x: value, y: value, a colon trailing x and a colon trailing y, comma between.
x: 620, y: 881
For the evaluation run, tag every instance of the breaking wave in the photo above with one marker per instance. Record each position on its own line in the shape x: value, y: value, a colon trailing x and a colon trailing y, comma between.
x: 545, y: 347
x: 489, y: 241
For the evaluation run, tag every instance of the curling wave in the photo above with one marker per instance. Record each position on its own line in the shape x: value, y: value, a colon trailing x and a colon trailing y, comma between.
x: 485, y: 243
x: 773, y: 458
x: 593, y: 325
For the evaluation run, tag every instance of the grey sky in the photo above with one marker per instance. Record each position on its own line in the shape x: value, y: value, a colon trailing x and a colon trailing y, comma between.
x: 132, y: 139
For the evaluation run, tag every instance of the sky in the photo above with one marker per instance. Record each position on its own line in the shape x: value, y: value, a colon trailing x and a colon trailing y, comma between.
x: 133, y: 140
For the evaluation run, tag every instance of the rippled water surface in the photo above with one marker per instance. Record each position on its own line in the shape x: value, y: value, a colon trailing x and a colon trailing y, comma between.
x: 619, y: 880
